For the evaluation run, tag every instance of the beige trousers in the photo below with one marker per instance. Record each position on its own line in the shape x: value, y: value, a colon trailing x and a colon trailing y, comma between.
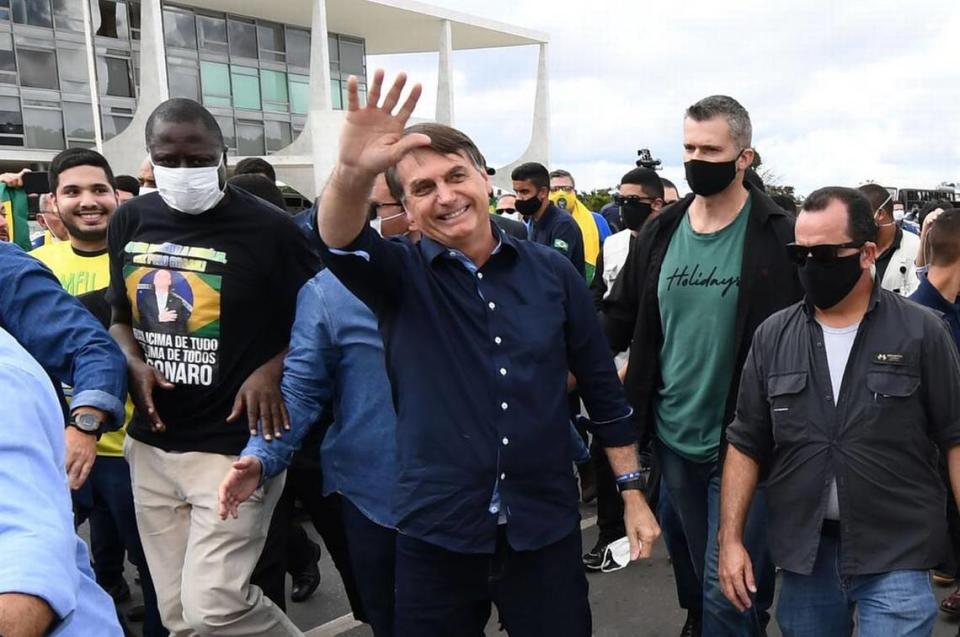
x: 200, y: 564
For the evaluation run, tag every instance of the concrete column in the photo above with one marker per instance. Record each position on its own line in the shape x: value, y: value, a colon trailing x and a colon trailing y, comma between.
x: 444, y: 113
x: 540, y: 138
x: 92, y: 74
x: 127, y: 150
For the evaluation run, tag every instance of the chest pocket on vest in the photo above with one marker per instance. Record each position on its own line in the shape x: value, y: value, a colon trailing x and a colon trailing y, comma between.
x: 892, y: 413
x: 785, y: 393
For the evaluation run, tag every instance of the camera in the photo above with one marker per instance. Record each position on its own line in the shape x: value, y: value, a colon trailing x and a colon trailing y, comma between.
x: 646, y: 160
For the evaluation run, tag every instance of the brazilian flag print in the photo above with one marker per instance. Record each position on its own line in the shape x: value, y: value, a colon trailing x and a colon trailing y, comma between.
x: 14, y: 203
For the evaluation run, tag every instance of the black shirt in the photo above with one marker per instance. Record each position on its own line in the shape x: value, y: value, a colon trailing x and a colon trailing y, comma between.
x: 210, y: 298
x: 884, y: 259
x: 558, y: 230
x: 478, y: 362
x: 898, y: 402
x: 513, y: 228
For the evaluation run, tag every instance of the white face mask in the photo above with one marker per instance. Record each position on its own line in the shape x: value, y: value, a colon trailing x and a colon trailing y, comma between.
x: 189, y: 190
x: 377, y: 223
x: 146, y: 190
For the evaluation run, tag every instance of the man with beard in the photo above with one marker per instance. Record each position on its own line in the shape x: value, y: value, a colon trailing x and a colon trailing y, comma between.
x: 84, y: 198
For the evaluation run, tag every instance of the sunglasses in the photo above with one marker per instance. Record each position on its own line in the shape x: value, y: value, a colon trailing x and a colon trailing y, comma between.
x: 823, y: 253
x: 506, y: 211
x: 632, y: 200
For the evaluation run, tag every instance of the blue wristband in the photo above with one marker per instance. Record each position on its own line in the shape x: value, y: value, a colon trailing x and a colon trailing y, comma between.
x: 629, y: 476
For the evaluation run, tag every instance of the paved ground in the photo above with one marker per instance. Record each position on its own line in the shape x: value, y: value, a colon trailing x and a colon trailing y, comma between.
x: 639, y: 601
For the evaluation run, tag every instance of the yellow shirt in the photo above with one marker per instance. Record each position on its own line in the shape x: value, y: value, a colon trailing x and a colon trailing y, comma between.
x: 79, y: 274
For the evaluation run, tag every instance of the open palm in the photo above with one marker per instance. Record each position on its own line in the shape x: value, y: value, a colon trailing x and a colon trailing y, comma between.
x: 238, y: 485
x: 371, y: 138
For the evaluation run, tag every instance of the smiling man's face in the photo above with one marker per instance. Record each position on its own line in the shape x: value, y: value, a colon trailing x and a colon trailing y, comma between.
x: 85, y: 201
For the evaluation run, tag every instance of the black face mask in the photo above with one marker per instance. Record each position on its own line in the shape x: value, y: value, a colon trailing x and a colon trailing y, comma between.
x: 829, y: 282
x: 634, y: 214
x: 528, y: 207
x: 707, y: 178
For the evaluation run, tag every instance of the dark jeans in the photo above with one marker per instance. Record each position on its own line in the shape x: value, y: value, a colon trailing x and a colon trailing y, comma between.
x: 541, y: 593
x: 305, y: 485
x: 694, y: 492
x: 106, y: 499
x: 823, y: 603
x: 689, y: 590
x: 373, y: 554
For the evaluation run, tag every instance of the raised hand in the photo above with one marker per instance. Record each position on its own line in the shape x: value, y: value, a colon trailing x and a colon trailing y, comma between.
x: 370, y: 141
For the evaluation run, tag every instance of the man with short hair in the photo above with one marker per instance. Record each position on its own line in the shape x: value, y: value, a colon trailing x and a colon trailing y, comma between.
x: 45, y: 579
x: 856, y: 505
x: 202, y: 387
x: 670, y: 192
x: 507, y: 206
x: 128, y: 187
x: 593, y: 227
x: 83, y: 194
x: 546, y: 224
x: 505, y: 219
x: 49, y: 220
x: 480, y: 331
x: 896, y: 267
x: 700, y: 278
x: 256, y: 166
x: 148, y: 183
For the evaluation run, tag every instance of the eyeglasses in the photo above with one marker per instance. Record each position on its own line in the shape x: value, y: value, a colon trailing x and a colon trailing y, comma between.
x: 375, y: 207
x: 505, y: 211
x: 561, y: 188
x: 825, y: 253
x: 632, y: 200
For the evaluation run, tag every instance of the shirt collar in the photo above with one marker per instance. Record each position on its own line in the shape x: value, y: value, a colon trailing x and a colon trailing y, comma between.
x: 930, y: 296
x: 432, y: 249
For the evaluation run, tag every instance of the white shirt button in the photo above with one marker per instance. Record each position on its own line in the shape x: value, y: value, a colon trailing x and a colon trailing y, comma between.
x: 479, y: 275
x: 452, y: 253
x: 492, y: 305
x: 494, y: 509
x: 506, y: 441
x: 497, y: 340
x: 504, y: 406
x: 503, y: 371
x: 503, y: 476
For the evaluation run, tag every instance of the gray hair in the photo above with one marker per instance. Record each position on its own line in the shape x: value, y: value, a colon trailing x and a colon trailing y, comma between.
x: 738, y: 119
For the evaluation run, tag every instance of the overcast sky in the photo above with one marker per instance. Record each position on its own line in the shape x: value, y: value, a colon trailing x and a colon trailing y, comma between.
x: 838, y: 93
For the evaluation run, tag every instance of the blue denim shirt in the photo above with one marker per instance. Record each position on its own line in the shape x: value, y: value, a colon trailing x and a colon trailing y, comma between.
x: 335, y: 364
x: 40, y: 553
x: 67, y: 341
x: 478, y: 364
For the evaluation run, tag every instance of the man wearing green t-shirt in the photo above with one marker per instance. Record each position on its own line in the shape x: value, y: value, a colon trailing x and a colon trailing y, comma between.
x: 698, y: 281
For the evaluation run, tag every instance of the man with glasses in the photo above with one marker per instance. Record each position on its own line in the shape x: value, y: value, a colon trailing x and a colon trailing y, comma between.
x: 843, y: 399
x: 896, y: 250
x: 593, y: 227
x: 699, y: 280
x: 507, y: 206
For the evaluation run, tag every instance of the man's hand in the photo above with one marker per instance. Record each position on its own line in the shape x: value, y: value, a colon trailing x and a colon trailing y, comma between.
x: 14, y: 180
x: 370, y: 140
x: 260, y: 397
x: 81, y: 452
x: 238, y: 485
x: 143, y: 380
x: 640, y: 523
x: 166, y: 316
x: 736, y: 574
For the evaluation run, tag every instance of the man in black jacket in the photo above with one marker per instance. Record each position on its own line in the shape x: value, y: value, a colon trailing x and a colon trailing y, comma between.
x: 698, y: 281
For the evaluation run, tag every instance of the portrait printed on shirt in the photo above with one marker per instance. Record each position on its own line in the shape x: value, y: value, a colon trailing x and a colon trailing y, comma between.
x: 176, y: 320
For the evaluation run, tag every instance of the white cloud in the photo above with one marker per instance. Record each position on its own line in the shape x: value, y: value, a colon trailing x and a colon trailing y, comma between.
x: 838, y: 93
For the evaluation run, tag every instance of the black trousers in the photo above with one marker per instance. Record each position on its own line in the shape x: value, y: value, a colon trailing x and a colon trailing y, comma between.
x: 305, y: 485
x: 541, y: 593
x: 373, y: 554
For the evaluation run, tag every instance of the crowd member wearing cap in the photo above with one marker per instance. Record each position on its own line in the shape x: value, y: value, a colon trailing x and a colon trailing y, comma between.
x: 480, y: 331
x: 856, y: 504
x: 897, y: 250
x: 700, y: 278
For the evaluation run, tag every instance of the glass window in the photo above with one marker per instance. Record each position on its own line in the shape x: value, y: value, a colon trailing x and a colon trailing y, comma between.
x: 243, y: 39
x: 44, y: 128
x: 73, y: 70
x: 299, y: 93
x: 298, y: 48
x: 336, y: 98
x: 273, y: 85
x: 113, y: 125
x: 33, y: 12
x: 271, y: 41
x: 113, y: 19
x: 215, y: 80
x: 134, y: 20
x: 226, y: 127
x: 38, y: 69
x: 78, y: 120
x: 179, y: 29
x: 114, y: 76
x: 351, y: 58
x: 8, y: 61
x: 213, y: 33
x: 277, y: 134
x: 68, y: 15
x: 332, y: 47
x: 11, y: 122
x: 5, y: 10
x: 250, y: 139
x: 246, y: 87
x: 183, y: 78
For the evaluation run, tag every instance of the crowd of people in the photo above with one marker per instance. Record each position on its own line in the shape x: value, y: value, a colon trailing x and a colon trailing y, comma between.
x: 439, y: 379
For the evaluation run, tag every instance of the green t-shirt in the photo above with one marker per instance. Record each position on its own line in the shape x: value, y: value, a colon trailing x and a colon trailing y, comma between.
x: 698, y: 291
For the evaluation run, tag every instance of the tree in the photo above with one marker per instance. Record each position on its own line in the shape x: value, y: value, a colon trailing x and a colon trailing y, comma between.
x: 596, y: 199
x: 772, y: 181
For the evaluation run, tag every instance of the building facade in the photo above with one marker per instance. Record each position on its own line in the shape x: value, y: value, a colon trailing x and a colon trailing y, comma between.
x: 88, y: 73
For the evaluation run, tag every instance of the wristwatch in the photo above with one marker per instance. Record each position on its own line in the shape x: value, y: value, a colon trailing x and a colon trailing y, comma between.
x: 627, y: 485
x: 86, y: 422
